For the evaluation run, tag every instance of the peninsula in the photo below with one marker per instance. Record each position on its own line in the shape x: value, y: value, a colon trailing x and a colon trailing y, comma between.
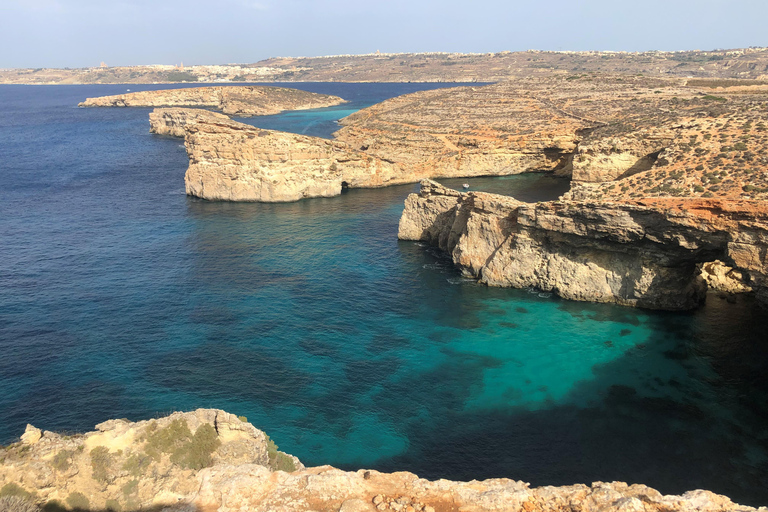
x: 240, y: 101
x: 210, y: 460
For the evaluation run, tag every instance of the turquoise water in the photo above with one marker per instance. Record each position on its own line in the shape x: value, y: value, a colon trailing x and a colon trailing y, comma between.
x: 122, y: 297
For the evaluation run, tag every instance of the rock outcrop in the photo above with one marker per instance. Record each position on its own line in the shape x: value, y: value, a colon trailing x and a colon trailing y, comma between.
x: 642, y: 254
x: 173, y: 121
x: 239, y: 101
x: 617, y: 136
x: 237, y: 162
x: 148, y: 464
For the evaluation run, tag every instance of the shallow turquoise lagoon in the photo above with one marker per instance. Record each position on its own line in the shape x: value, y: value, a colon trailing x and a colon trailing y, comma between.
x: 122, y: 297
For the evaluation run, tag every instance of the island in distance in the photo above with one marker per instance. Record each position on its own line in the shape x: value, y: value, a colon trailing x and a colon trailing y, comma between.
x: 241, y: 101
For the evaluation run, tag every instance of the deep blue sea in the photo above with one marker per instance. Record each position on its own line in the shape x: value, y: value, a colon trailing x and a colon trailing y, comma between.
x: 122, y: 297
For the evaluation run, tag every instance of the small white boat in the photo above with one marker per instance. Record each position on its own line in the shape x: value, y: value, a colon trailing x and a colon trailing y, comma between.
x: 466, y: 185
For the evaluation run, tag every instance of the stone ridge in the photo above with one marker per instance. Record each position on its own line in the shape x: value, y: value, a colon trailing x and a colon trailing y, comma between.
x: 238, y: 162
x: 104, y: 470
x: 240, y: 101
x: 643, y: 254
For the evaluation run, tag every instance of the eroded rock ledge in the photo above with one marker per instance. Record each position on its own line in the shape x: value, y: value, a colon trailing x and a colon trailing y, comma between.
x: 239, y: 101
x: 149, y: 464
x: 238, y: 162
x: 646, y: 254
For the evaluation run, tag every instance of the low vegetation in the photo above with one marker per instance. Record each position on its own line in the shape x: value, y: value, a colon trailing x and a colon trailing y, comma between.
x: 278, y: 460
x: 187, y: 450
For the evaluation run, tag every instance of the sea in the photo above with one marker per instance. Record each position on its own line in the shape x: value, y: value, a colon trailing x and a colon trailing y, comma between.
x: 121, y: 297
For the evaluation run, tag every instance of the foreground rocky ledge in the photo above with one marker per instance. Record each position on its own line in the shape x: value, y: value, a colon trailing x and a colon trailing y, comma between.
x: 210, y: 460
x: 647, y: 253
x: 239, y: 101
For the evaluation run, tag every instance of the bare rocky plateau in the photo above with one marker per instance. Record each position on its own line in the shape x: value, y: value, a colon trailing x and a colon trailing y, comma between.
x: 242, y: 101
x: 209, y: 460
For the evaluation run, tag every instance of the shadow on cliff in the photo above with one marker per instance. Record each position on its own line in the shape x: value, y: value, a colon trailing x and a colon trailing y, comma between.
x: 670, y: 432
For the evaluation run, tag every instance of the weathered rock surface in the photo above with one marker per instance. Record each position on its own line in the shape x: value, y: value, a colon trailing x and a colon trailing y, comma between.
x: 617, y: 136
x: 239, y: 101
x: 173, y: 121
x: 644, y: 254
x: 125, y: 465
x: 94, y: 472
x: 236, y: 162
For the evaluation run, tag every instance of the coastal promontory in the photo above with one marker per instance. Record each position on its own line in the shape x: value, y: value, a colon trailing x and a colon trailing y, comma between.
x: 241, y: 101
x: 209, y: 460
x: 641, y: 253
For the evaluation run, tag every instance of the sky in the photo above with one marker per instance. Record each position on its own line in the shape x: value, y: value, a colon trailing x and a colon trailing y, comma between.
x: 82, y: 33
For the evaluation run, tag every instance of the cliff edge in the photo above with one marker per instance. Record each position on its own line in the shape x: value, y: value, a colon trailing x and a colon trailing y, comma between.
x: 647, y: 253
x: 210, y: 460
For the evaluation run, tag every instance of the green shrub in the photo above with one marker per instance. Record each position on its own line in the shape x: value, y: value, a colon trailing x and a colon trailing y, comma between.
x: 137, y: 464
x: 165, y: 440
x: 713, y: 98
x: 78, y: 501
x: 284, y: 462
x: 61, y: 461
x: 131, y: 487
x: 196, y: 453
x: 113, y: 506
x: 17, y: 504
x: 54, y: 506
x: 186, y: 450
x: 12, y: 489
x: 277, y: 459
x: 243, y: 419
x: 101, y: 461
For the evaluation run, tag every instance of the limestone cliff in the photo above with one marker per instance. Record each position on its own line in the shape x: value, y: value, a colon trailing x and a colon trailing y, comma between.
x: 240, y: 101
x: 646, y: 254
x: 173, y: 121
x: 237, y: 162
x: 211, y: 460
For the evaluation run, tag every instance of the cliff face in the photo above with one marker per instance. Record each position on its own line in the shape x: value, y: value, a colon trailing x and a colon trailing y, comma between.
x: 493, y: 130
x: 617, y: 136
x: 239, y: 101
x: 643, y: 254
x: 211, y: 460
x: 237, y: 162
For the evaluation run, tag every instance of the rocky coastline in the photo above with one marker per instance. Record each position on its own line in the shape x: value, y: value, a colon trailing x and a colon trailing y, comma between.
x: 643, y: 254
x: 618, y: 137
x: 241, y: 101
x: 209, y: 460
x: 667, y: 198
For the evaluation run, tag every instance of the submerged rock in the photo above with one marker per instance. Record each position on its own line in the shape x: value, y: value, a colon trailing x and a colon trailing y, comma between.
x: 147, y: 464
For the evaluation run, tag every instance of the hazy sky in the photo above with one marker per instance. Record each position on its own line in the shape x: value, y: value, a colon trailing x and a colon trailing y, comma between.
x: 76, y: 33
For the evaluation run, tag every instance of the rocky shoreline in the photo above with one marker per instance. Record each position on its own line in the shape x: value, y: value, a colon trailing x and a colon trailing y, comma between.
x: 209, y: 460
x: 644, y: 255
